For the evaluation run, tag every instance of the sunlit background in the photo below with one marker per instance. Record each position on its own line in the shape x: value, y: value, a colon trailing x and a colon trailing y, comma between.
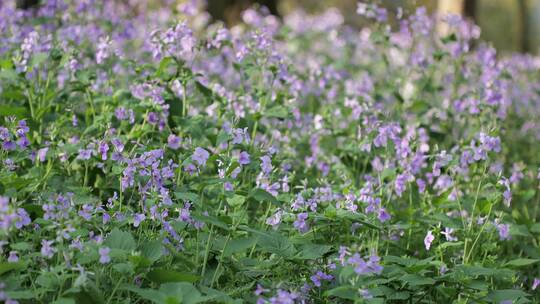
x: 510, y: 25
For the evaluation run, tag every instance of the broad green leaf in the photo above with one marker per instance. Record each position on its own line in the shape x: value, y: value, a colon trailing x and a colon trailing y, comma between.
x: 521, y: 262
x: 312, y: 251
x: 152, y: 250
x: 277, y: 111
x: 506, y: 294
x: 343, y: 292
x: 236, y: 200
x: 120, y: 240
x: 261, y: 195
x: 162, y: 275
x: 6, y: 267
x: 19, y: 112
x: 239, y: 245
x: 416, y: 280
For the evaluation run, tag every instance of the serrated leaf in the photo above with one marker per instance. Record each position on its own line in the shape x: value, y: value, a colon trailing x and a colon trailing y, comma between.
x: 118, y: 239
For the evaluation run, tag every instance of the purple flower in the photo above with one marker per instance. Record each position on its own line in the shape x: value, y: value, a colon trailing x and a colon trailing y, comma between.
x: 23, y: 219
x: 318, y: 276
x: 200, y: 156
x: 46, y: 249
x: 275, y: 219
x: 266, y: 164
x: 174, y: 141
x: 103, y: 149
x: 243, y: 158
x: 103, y: 49
x: 504, y: 231
x: 84, y: 154
x: 535, y: 284
x: 104, y: 257
x: 383, y: 216
x: 138, y: 218
x: 13, y: 258
x: 9, y: 145
x: 4, y: 133
x: 448, y: 234
x: 284, y: 297
x: 228, y: 186
x: 23, y: 142
x: 42, y: 154
x: 260, y: 290
x: 428, y: 239
x: 300, y: 222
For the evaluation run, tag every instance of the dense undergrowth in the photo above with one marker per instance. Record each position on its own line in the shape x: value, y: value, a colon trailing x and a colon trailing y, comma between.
x: 148, y: 156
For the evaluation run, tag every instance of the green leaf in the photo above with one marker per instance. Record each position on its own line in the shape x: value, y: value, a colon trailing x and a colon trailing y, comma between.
x: 521, y: 262
x: 124, y: 268
x: 187, y: 196
x: 171, y: 293
x: 162, y: 275
x: 277, y: 111
x: 212, y: 220
x: 19, y: 112
x: 277, y: 244
x: 416, y: 280
x: 343, y: 292
x: 118, y: 239
x: 312, y: 251
x: 152, y: 250
x: 6, y: 267
x: 262, y: 196
x: 506, y: 294
x: 236, y: 200
x: 21, y: 294
x: 239, y: 245
x: 163, y: 65
x: 64, y: 301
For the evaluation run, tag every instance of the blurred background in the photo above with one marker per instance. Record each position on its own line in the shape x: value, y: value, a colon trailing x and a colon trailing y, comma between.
x: 510, y: 25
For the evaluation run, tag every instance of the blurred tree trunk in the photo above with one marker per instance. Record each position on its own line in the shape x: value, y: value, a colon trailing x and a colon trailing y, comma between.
x: 467, y: 8
x: 229, y: 11
x: 26, y: 4
x: 524, y: 26
x: 470, y: 9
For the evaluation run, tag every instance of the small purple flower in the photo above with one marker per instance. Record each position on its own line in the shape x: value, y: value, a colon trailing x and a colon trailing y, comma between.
x: 138, y: 219
x: 504, y: 231
x: 174, y: 141
x: 104, y: 257
x: 536, y: 283
x: 428, y: 239
x: 266, y: 164
x: 383, y: 215
x: 9, y: 145
x: 84, y: 154
x: 318, y: 276
x: 103, y: 149
x: 275, y: 219
x: 42, y: 154
x: 23, y: 142
x: 200, y: 156
x: 228, y: 186
x: 13, y: 258
x: 448, y: 234
x: 46, y: 249
x: 260, y: 290
x: 243, y: 158
x: 300, y: 222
